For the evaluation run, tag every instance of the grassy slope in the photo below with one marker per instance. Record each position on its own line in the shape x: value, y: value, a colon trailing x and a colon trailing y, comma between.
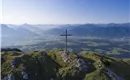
x: 45, y: 68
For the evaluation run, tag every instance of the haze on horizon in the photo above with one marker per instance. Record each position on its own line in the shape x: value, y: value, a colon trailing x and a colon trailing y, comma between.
x: 65, y: 11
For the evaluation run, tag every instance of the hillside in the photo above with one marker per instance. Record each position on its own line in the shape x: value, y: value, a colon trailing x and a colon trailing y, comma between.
x: 56, y: 65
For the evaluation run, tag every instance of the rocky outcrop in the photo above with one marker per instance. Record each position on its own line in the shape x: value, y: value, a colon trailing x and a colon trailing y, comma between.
x: 54, y: 65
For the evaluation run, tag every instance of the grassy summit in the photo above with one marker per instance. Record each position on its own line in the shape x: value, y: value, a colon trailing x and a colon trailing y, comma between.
x: 55, y: 65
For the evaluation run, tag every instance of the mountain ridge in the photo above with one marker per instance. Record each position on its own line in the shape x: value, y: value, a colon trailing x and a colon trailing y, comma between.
x: 92, y: 30
x: 18, y: 32
x: 111, y: 30
x: 56, y: 65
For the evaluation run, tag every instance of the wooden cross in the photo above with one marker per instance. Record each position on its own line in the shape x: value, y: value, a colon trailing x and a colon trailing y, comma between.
x: 66, y: 34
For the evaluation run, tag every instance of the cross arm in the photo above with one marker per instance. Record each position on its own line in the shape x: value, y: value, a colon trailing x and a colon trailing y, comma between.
x: 69, y: 35
x: 66, y: 35
x: 62, y: 35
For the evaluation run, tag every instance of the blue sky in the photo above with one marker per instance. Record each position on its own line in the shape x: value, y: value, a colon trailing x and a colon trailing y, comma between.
x: 65, y: 11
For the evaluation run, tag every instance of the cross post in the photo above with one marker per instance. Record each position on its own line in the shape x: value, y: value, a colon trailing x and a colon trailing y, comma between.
x: 66, y: 35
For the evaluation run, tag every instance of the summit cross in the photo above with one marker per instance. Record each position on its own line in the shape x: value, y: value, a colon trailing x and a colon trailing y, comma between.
x: 66, y: 35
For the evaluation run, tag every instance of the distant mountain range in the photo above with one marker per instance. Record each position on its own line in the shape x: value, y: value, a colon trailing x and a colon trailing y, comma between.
x: 95, y: 30
x: 89, y: 30
x: 18, y: 32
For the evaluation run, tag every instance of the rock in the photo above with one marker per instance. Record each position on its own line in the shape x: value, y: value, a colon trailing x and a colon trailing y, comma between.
x: 70, y: 68
x: 15, y: 53
x: 5, y: 78
x: 43, y: 54
x: 11, y: 77
x: 100, y: 64
x: 80, y: 63
x: 65, y: 57
x: 51, y: 79
x: 22, y: 57
x: 99, y: 61
x: 63, y: 54
x: 13, y: 63
x: 25, y: 75
x: 35, y: 74
x: 112, y: 75
x: 56, y: 69
x: 89, y: 63
x: 23, y: 67
x: 65, y: 60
